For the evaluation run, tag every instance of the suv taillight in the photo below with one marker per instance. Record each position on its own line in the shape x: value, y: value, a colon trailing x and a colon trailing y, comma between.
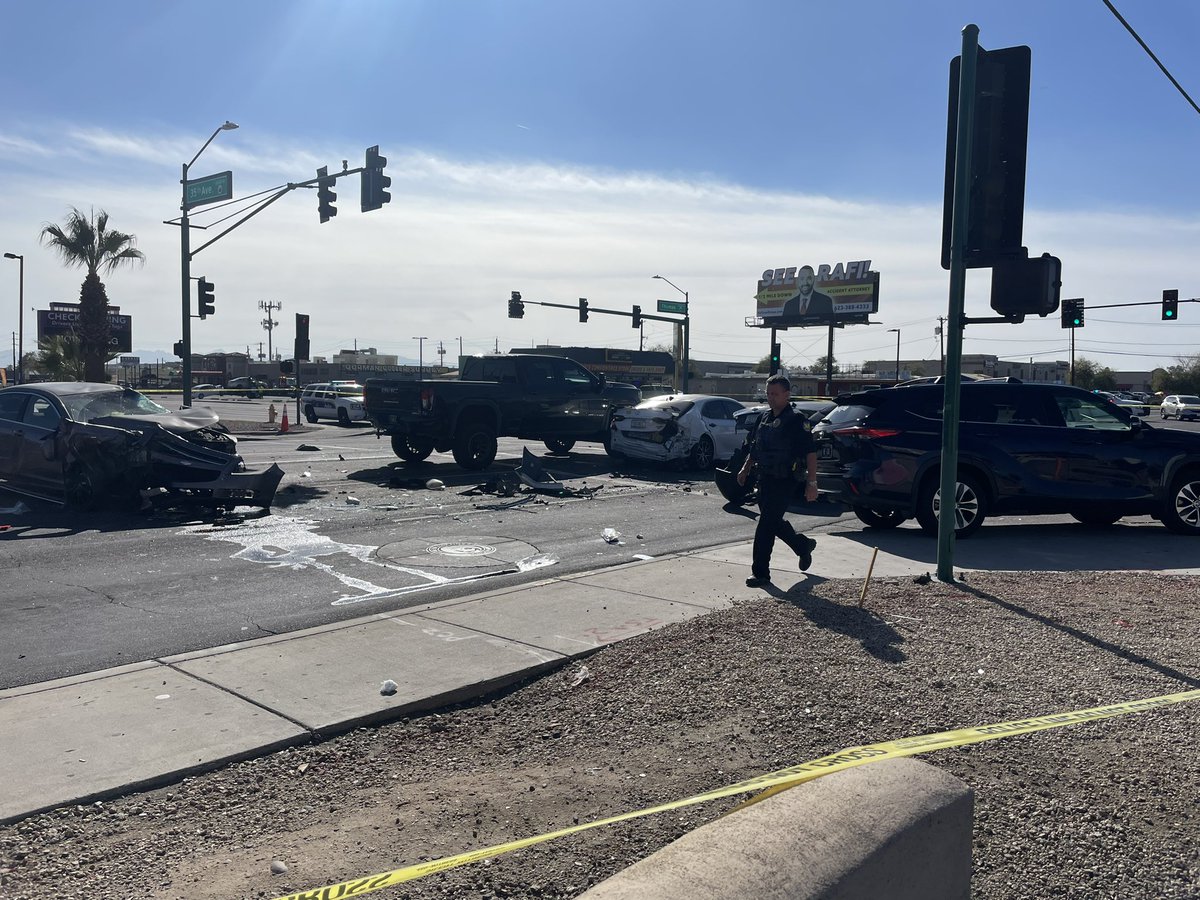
x: 864, y: 431
x: 426, y: 399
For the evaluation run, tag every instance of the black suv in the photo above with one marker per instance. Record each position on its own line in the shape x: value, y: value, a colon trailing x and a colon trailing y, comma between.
x: 1024, y: 449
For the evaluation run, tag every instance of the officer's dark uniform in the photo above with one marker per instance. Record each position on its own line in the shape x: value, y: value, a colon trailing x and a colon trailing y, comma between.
x: 776, y: 445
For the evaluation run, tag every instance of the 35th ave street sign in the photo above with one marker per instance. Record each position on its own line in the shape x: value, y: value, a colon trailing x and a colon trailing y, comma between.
x: 673, y: 306
x: 209, y: 189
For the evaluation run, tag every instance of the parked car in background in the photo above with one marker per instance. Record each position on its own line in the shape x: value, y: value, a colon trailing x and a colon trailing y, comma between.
x: 83, y: 443
x: 342, y: 401
x: 1024, y: 449
x: 244, y: 386
x: 694, y: 428
x: 1129, y: 402
x: 1181, y: 406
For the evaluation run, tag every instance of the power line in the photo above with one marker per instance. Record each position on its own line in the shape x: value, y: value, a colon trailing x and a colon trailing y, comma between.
x: 1150, y: 52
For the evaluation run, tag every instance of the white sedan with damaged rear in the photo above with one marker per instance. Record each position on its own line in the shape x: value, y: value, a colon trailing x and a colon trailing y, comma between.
x: 84, y: 443
x: 691, y: 428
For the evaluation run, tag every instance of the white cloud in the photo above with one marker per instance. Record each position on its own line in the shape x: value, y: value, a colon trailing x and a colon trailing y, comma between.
x: 460, y: 234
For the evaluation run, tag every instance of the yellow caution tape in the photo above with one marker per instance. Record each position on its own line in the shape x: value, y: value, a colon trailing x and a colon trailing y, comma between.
x: 770, y: 783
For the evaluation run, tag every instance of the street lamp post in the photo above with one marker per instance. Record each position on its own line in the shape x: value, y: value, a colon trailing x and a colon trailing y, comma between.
x: 897, y: 330
x: 20, y: 317
x: 420, y: 356
x: 185, y: 266
x: 683, y: 384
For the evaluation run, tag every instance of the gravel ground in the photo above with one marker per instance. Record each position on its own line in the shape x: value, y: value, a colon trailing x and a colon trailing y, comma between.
x: 1100, y: 810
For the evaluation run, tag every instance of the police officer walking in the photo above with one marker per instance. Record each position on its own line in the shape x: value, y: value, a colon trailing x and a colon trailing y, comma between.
x: 782, y: 452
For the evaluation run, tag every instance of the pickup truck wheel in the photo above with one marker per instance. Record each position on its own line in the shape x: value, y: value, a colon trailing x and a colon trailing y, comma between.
x: 310, y: 414
x: 411, y: 449
x: 475, y: 445
x: 557, y: 445
x: 877, y: 518
x: 343, y: 418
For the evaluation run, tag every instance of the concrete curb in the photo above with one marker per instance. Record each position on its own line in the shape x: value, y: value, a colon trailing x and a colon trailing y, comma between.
x: 899, y: 829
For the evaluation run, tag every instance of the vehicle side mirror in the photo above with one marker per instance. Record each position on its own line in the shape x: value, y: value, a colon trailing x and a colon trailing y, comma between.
x: 601, y: 381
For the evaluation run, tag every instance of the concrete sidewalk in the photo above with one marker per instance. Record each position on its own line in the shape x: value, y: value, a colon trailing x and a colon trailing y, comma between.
x: 106, y: 733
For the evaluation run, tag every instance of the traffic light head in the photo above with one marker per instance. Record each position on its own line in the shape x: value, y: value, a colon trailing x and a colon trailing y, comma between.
x: 637, y: 317
x: 1170, y: 306
x: 301, y: 336
x: 516, y: 309
x: 583, y: 309
x: 1072, y: 313
x: 206, y: 299
x: 775, y: 357
x: 374, y: 183
x: 178, y: 349
x: 325, y: 194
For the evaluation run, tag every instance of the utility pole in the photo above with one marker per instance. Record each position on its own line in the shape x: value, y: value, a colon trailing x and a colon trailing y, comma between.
x: 941, y: 333
x: 269, y: 323
x: 420, y: 356
x: 441, y: 351
x: 260, y: 353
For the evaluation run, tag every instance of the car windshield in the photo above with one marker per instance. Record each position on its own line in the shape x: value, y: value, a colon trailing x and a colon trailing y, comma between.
x: 97, y: 404
x: 666, y: 404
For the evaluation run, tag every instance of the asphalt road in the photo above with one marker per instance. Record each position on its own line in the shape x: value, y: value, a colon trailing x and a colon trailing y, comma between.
x: 354, y: 531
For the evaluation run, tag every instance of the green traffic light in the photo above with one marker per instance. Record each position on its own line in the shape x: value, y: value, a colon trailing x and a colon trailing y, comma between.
x: 1170, y: 313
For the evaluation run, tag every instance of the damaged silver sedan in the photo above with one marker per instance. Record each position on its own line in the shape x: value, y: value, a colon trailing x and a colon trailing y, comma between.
x: 690, y: 428
x: 83, y: 443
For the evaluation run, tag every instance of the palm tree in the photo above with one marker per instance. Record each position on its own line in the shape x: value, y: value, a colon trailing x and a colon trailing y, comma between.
x: 88, y: 243
x: 59, y: 358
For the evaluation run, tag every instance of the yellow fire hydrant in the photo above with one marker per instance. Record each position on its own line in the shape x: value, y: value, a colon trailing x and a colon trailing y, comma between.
x: 271, y: 413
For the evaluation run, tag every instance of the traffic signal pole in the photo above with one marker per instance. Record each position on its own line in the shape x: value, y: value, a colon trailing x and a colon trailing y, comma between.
x: 374, y: 192
x: 185, y: 266
x: 955, y: 314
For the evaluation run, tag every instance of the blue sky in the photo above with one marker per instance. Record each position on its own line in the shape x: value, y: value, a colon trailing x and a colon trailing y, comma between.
x: 567, y: 149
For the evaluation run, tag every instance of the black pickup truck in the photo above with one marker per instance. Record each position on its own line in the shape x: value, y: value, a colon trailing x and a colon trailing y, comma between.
x: 540, y: 398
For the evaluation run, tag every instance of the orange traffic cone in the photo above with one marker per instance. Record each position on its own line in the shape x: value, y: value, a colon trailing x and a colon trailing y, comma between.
x: 283, y: 424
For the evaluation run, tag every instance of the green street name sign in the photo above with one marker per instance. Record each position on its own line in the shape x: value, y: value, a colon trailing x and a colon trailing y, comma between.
x: 673, y: 306
x: 210, y: 189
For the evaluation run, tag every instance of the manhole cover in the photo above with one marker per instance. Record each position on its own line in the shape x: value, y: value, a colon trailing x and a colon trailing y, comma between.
x: 460, y: 550
x: 477, y: 551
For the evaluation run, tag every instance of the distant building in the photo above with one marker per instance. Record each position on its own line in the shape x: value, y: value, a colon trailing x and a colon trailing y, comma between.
x: 364, y: 357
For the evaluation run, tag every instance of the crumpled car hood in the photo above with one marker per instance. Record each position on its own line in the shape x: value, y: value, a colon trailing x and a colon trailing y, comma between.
x: 140, y: 452
x: 176, y: 423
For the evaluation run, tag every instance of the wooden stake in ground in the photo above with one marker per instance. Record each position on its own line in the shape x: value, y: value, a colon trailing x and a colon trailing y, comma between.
x: 866, y: 581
